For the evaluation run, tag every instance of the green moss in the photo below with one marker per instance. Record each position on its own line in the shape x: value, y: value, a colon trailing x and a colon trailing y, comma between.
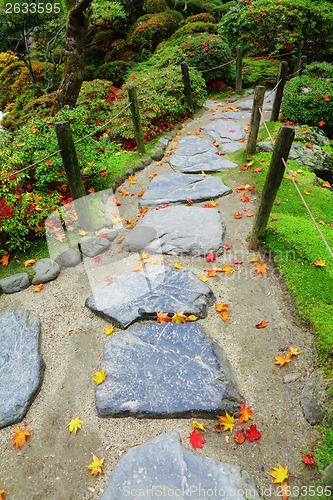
x: 324, y: 453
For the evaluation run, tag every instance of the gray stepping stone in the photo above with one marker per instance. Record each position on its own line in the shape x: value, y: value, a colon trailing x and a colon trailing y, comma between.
x: 14, y: 283
x: 177, y: 230
x: 163, y: 468
x: 70, y: 257
x: 91, y: 246
x: 178, y: 188
x: 166, y: 370
x: 268, y: 102
x: 111, y: 233
x: 223, y: 128
x: 46, y: 270
x: 21, y: 365
x: 140, y: 295
x: 232, y: 147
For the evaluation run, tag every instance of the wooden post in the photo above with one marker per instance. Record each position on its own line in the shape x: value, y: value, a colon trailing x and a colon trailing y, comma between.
x: 304, y: 60
x: 73, y: 173
x: 140, y: 143
x: 258, y: 100
x: 239, y: 55
x: 279, y: 91
x: 297, y: 64
x: 273, y: 180
x: 187, y: 87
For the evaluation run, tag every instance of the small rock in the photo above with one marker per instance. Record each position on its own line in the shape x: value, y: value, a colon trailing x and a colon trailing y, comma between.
x: 164, y: 141
x: 14, y: 283
x: 290, y: 377
x: 70, y: 257
x: 327, y: 477
x: 139, y: 167
x: 313, y: 398
x: 158, y: 155
x: 129, y: 171
x: 46, y: 270
x: 111, y: 233
x: 146, y: 162
x: 168, y: 137
x: 93, y: 245
x: 108, y: 223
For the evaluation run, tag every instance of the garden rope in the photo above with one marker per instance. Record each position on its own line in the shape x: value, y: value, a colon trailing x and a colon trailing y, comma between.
x: 216, y: 67
x: 302, y: 198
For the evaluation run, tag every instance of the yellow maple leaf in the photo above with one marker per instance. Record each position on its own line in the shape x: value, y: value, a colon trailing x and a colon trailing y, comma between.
x: 178, y: 265
x: 143, y: 255
x: 319, y: 263
x: 293, y: 351
x: 227, y: 422
x: 36, y: 198
x: 74, y: 425
x: 29, y: 262
x: 196, y: 425
x: 2, y: 491
x: 279, y: 474
x: 202, y: 278
x: 254, y: 259
x: 213, y: 203
x: 282, y: 360
x: 192, y: 317
x: 82, y: 232
x: 179, y: 317
x: 132, y: 180
x: 99, y: 376
x: 38, y: 288
x: 20, y: 437
x: 108, y: 330
x: 326, y: 184
x: 116, y: 219
x: 96, y: 465
x: 228, y: 269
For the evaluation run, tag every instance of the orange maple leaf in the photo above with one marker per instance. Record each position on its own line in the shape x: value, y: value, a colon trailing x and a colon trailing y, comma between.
x: 38, y: 288
x: 141, y: 194
x: 189, y: 201
x: 29, y: 262
x: 143, y: 210
x: 4, y: 259
x: 228, y: 269
x: 238, y: 215
x: 261, y: 268
x: 250, y: 214
x: 245, y: 414
x: 240, y: 436
x: 254, y: 259
x: 20, y: 437
x: 244, y: 198
x: 282, y: 360
x: 262, y: 324
x: 2, y: 491
x: 222, y: 309
x: 124, y: 193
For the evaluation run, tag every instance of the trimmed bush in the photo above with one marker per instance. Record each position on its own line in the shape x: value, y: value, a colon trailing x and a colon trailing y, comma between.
x: 203, y: 18
x: 319, y: 70
x: 227, y: 6
x: 113, y: 71
x: 191, y: 28
x: 154, y: 6
x: 153, y: 28
x: 257, y: 71
x: 199, y: 6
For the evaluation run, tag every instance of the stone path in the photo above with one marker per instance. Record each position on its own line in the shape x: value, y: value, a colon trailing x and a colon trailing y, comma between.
x: 164, y: 370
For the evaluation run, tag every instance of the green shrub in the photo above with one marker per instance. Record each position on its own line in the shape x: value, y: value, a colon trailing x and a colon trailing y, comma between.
x: 114, y: 71
x: 197, y: 27
x: 153, y: 28
x: 319, y: 70
x: 203, y: 18
x: 267, y: 26
x: 154, y: 6
x: 308, y: 100
x: 199, y: 6
x: 256, y: 71
x: 226, y: 6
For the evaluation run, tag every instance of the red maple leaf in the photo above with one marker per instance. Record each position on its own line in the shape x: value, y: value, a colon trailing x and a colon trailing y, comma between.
x: 195, y: 440
x: 307, y: 459
x: 210, y: 257
x: 97, y: 258
x: 252, y: 434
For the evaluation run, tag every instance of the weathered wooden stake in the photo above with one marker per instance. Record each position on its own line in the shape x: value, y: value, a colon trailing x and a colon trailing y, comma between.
x: 279, y: 91
x: 239, y: 55
x: 273, y: 180
x: 73, y: 174
x: 140, y: 143
x: 297, y: 64
x: 258, y: 100
x: 304, y: 61
x: 187, y: 87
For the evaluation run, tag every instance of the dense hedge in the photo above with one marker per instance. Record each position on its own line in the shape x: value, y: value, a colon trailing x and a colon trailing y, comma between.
x: 198, y: 27
x: 153, y: 28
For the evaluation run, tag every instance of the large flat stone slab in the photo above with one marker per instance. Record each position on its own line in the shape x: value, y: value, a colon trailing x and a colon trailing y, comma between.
x: 196, y: 154
x: 21, y: 365
x: 222, y: 129
x: 140, y: 295
x: 178, y: 230
x: 163, y: 468
x: 267, y: 106
x: 178, y: 188
x: 166, y: 370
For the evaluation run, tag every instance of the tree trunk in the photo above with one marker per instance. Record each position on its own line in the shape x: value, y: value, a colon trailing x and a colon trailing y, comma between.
x: 76, y: 37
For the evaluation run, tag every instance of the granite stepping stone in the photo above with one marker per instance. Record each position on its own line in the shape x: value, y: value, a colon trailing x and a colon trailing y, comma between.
x: 140, y: 295
x: 46, y: 270
x: 178, y: 188
x: 236, y: 115
x: 225, y: 130
x: 232, y: 147
x: 163, y: 468
x: 267, y: 106
x: 91, y: 246
x: 196, y: 154
x: 166, y: 370
x: 178, y: 230
x: 14, y: 283
x: 109, y: 233
x: 21, y: 365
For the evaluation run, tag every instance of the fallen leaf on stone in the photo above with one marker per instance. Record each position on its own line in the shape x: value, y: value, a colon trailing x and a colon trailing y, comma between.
x: 189, y: 201
x: 245, y: 414
x: 143, y: 210
x: 191, y: 317
x: 282, y: 360
x: 29, y: 262
x: 137, y: 268
x: 307, y: 191
x: 228, y: 269
x: 240, y: 436
x: 237, y: 261
x: 319, y: 263
x: 254, y: 259
x: 20, y: 437
x: 179, y: 317
x: 97, y: 258
x: 244, y: 198
x: 96, y: 466
x: 143, y: 255
x: 279, y: 474
x: 74, y: 425
x: 109, y: 330
x: 222, y: 309
x: 238, y: 215
x: 210, y: 257
x: 252, y: 434
x: 262, y: 324
x: 141, y: 193
x: 307, y: 459
x: 195, y: 440
x: 213, y: 203
x: 82, y: 232
x: 250, y: 214
x: 207, y: 205
x: 178, y: 265
x: 227, y: 246
x: 227, y: 421
x: 293, y: 351
x: 261, y: 268
x: 117, y: 202
x: 153, y: 174
x: 99, y: 376
x: 196, y: 425
x: 103, y: 235
x: 38, y: 288
x: 163, y: 317
x: 116, y: 218
x: 203, y: 278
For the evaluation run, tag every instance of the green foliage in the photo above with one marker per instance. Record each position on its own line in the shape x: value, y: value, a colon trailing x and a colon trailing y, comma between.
x: 154, y: 6
x: 199, y: 6
x: 198, y: 27
x: 7, y: 58
x: 319, y: 70
x: 104, y: 10
x: 324, y: 453
x: 153, y: 28
x: 308, y: 100
x: 114, y: 71
x: 256, y: 71
x: 226, y: 6
x: 203, y: 18
x: 267, y: 26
